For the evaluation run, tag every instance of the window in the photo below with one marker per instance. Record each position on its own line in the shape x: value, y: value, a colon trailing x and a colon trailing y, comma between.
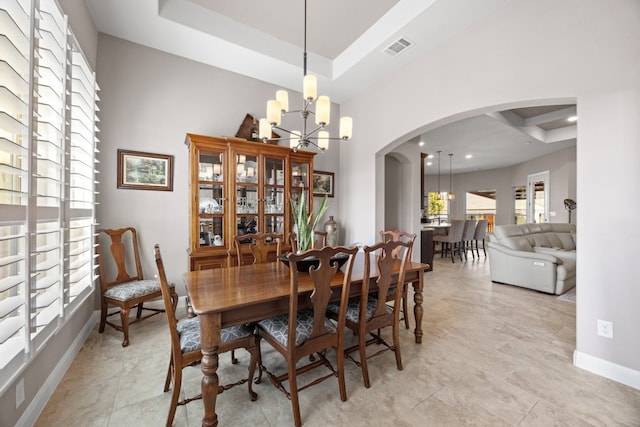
x: 47, y: 153
x: 520, y: 204
x: 481, y: 204
x: 437, y: 208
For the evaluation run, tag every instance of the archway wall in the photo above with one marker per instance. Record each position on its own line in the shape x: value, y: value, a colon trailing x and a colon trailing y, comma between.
x: 584, y: 50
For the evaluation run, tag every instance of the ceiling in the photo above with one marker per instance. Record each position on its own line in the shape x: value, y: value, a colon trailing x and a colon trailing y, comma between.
x: 347, y: 44
x: 500, y: 139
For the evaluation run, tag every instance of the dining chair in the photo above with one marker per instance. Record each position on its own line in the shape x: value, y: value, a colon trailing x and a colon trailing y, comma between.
x: 368, y: 314
x: 186, y: 350
x: 479, y: 236
x: 468, y: 232
x: 305, y: 330
x: 452, y: 241
x: 118, y: 287
x: 387, y: 235
x: 264, y: 247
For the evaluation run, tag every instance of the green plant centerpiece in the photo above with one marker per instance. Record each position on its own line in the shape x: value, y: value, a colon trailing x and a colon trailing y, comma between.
x: 305, y: 222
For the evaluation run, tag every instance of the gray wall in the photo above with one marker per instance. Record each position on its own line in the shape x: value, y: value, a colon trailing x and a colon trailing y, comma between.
x: 393, y: 202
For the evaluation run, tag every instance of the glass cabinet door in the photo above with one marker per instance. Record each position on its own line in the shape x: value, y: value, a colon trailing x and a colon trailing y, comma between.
x: 211, y: 198
x: 247, y: 194
x: 274, y: 197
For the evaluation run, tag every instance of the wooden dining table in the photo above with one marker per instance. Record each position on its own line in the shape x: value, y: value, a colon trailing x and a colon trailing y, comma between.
x: 238, y: 295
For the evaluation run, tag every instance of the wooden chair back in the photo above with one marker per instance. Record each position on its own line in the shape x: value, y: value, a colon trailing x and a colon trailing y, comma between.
x: 170, y: 303
x: 398, y: 235
x: 322, y: 278
x: 123, y: 257
x: 387, y: 265
x: 402, y: 236
x: 265, y: 247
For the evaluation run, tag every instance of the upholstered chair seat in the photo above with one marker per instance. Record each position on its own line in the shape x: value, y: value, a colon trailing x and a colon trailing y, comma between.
x: 134, y: 289
x: 353, y: 309
x: 279, y: 327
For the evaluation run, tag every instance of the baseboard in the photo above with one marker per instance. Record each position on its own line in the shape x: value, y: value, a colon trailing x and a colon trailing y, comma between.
x: 607, y: 369
x: 35, y: 408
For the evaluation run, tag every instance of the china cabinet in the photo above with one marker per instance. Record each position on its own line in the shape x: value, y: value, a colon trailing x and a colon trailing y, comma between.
x: 238, y: 187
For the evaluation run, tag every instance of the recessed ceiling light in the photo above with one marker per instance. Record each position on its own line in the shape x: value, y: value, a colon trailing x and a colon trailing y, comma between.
x: 429, y: 163
x: 430, y: 156
x: 468, y: 156
x: 421, y: 143
x: 572, y: 119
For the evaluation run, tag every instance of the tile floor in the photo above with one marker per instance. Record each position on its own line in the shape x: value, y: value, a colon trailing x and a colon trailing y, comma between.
x: 492, y: 355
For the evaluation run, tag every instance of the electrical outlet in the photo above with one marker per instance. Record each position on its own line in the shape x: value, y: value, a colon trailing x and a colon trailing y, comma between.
x: 605, y: 328
x: 19, y: 393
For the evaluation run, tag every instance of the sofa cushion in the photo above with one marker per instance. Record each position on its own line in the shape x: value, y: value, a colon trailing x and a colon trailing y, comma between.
x: 568, y: 240
x: 540, y: 239
x: 520, y: 243
x: 554, y: 240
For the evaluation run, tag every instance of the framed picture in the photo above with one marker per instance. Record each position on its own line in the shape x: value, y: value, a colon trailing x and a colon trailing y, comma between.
x: 323, y: 183
x: 145, y: 171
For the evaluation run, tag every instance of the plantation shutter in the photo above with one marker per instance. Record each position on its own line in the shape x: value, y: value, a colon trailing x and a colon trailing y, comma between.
x: 15, y: 30
x: 48, y: 96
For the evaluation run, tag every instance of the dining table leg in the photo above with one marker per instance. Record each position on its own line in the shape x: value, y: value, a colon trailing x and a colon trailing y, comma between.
x: 210, y: 325
x: 418, y: 311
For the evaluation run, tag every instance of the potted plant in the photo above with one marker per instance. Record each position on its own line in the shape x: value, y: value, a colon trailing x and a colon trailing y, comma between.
x: 306, y: 223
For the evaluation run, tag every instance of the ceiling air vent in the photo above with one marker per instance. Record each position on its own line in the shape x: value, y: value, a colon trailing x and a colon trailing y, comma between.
x: 398, y: 46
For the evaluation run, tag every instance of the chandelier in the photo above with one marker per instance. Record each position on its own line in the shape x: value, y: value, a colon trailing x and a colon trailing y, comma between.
x: 317, y: 136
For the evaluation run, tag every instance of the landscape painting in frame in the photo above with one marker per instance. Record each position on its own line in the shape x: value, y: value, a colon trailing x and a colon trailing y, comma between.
x: 323, y: 184
x: 145, y: 171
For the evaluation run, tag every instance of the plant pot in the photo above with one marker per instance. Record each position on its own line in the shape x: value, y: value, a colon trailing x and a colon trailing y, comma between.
x: 304, y: 264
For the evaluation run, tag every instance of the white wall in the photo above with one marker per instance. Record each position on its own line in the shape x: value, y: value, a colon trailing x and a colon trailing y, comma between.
x: 584, y: 50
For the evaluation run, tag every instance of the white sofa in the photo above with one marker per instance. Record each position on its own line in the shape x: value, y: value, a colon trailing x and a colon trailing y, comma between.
x: 536, y: 256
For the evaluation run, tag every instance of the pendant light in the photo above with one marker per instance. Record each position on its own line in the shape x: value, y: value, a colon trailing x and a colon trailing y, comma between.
x: 439, y: 194
x: 451, y: 195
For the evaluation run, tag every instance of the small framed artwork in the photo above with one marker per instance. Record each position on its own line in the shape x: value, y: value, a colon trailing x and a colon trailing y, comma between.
x: 323, y: 183
x: 145, y: 171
